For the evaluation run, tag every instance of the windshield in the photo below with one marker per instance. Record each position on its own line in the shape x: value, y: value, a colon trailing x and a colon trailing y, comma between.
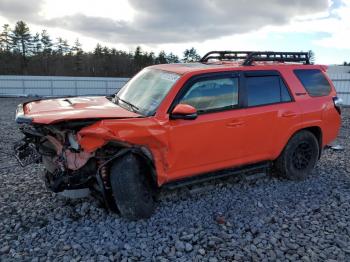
x: 146, y: 90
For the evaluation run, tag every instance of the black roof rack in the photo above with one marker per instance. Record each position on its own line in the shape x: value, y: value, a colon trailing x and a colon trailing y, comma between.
x: 251, y: 56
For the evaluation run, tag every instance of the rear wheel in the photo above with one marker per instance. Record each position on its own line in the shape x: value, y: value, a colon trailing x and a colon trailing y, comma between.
x: 299, y: 156
x: 132, y: 189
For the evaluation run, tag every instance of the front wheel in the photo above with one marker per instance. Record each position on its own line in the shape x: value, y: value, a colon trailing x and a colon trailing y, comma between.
x: 132, y: 188
x: 299, y: 156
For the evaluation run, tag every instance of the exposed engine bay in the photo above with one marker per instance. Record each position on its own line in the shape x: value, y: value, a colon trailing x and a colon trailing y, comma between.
x: 59, y: 151
x: 67, y: 166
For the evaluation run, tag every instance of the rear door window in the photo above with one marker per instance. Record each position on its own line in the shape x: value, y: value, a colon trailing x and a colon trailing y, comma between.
x: 313, y: 81
x: 265, y: 90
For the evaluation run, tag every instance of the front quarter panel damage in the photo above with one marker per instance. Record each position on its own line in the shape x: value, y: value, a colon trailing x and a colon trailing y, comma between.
x: 141, y: 132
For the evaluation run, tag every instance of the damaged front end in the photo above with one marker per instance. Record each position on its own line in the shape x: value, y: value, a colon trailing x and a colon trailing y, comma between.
x: 69, y: 166
x: 56, y: 147
x: 77, y: 141
x: 51, y: 127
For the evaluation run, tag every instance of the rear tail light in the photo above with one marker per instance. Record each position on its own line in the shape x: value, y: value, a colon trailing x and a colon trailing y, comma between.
x: 338, y: 103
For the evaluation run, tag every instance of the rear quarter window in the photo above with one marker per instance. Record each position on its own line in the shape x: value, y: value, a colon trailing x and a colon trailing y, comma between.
x: 313, y: 81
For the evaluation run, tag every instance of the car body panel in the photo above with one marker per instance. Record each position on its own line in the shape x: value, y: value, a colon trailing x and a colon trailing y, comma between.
x: 49, y: 111
x: 213, y: 139
x: 146, y: 132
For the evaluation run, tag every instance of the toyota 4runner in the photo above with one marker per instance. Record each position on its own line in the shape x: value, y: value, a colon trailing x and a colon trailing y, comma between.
x: 176, y: 124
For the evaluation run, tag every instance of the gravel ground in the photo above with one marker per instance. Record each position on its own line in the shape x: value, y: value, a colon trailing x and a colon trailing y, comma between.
x: 260, y: 219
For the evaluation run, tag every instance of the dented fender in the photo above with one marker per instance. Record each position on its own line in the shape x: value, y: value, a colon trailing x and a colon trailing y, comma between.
x: 141, y: 132
x: 93, y: 137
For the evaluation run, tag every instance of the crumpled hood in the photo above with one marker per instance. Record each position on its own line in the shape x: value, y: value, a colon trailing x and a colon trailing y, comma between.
x: 50, y: 111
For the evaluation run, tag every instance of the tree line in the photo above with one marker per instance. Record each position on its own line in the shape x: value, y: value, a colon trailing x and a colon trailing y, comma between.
x: 24, y: 53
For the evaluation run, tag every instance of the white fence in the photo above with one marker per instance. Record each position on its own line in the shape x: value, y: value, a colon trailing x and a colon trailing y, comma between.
x: 65, y: 86
x: 58, y: 85
x: 342, y: 85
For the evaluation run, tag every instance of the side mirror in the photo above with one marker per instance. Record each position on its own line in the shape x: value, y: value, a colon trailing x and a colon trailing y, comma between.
x: 184, y: 111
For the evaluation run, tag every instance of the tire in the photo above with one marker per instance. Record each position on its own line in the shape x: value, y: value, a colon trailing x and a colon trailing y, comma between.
x: 132, y: 188
x: 299, y: 156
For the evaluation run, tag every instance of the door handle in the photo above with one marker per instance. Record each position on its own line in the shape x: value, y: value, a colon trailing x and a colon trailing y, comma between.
x: 236, y: 123
x: 289, y: 114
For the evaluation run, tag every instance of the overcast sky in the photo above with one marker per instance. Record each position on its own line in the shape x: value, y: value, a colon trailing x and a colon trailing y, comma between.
x: 174, y: 25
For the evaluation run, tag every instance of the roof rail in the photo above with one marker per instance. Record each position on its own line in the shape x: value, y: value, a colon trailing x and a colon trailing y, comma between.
x: 251, y: 56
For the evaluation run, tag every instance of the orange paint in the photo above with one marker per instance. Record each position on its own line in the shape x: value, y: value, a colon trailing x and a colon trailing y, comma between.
x: 213, y: 141
x: 50, y: 111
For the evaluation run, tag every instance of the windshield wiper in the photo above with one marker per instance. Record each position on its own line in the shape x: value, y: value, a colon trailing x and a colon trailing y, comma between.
x: 131, y: 106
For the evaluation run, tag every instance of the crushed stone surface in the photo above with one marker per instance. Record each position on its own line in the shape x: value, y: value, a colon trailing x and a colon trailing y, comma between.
x: 261, y: 219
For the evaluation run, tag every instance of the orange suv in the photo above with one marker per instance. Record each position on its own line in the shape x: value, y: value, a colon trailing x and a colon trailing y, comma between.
x: 177, y: 124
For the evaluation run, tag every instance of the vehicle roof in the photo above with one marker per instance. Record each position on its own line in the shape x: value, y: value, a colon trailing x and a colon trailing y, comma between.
x: 183, y: 68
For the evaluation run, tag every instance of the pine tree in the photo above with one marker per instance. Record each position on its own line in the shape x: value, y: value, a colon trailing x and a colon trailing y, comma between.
x: 191, y: 55
x: 98, y: 50
x: 138, y: 58
x: 171, y: 58
x: 46, y: 51
x: 148, y: 59
x: 5, y: 39
x: 62, y: 46
x: 22, y: 43
x: 46, y: 42
x: 105, y: 51
x: 78, y: 52
x: 66, y: 47
x: 161, y: 58
x: 76, y: 48
x: 37, y: 44
x: 114, y: 51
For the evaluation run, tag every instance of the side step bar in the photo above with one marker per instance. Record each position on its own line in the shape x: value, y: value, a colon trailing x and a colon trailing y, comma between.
x: 264, y: 166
